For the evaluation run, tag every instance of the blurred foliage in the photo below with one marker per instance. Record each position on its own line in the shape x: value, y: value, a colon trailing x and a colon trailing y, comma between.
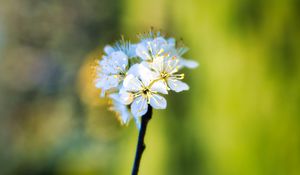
x: 240, y: 117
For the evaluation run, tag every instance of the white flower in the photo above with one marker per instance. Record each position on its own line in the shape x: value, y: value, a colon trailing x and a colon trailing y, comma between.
x: 112, y: 69
x: 134, y: 75
x: 166, y: 70
x: 141, y: 91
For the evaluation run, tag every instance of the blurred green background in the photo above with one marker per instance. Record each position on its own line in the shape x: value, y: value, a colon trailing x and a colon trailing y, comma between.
x: 240, y: 117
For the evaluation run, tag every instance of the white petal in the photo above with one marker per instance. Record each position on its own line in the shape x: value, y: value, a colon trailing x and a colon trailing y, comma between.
x: 177, y: 85
x: 159, y: 86
x: 119, y: 61
x: 146, y: 75
x: 106, y: 66
x: 132, y: 84
x: 189, y: 63
x: 115, y: 97
x: 131, y: 52
x: 102, y: 92
x: 100, y: 81
x: 108, y: 49
x: 158, y: 64
x: 171, y: 65
x: 142, y: 52
x: 147, y: 64
x: 157, y: 46
x: 158, y: 102
x: 134, y: 70
x: 159, y: 41
x: 122, y: 110
x: 107, y: 82
x: 125, y: 116
x: 125, y: 97
x: 138, y: 122
x: 171, y: 42
x: 112, y: 81
x: 143, y: 72
x: 139, y: 106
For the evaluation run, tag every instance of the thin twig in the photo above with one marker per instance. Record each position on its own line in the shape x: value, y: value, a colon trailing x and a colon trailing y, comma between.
x: 141, y: 145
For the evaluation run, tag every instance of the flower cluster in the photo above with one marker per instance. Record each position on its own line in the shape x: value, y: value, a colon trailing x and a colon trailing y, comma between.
x: 134, y: 76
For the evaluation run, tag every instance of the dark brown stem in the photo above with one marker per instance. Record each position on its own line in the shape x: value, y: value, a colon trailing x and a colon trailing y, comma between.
x: 141, y: 145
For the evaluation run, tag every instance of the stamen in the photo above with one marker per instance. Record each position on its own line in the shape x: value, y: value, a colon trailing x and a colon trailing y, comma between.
x: 147, y: 55
x: 160, y: 52
x: 164, y: 75
x: 178, y: 76
x: 152, y: 82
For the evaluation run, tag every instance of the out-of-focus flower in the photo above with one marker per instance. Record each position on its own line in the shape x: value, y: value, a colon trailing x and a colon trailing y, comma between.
x: 112, y: 69
x: 120, y: 108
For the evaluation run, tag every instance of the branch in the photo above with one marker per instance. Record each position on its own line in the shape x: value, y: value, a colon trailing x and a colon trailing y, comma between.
x: 141, y: 145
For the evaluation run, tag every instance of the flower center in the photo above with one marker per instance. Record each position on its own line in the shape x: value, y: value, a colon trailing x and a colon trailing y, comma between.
x: 164, y: 75
x: 145, y: 91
